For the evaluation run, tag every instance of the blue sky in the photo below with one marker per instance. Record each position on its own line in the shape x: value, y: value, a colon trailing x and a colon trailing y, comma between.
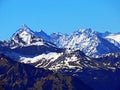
x: 64, y: 16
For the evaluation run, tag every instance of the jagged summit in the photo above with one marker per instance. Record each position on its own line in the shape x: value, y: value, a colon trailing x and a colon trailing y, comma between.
x: 43, y: 35
x: 24, y: 36
x: 87, y: 40
x: 88, y: 30
x: 92, y: 43
x: 24, y: 26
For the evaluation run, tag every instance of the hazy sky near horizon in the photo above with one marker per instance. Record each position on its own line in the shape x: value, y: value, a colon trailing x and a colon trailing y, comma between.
x: 64, y: 16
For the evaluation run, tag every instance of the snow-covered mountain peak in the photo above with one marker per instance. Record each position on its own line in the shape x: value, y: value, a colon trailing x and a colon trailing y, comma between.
x: 86, y: 40
x: 88, y: 30
x: 23, y: 32
x: 25, y: 37
x: 83, y: 31
x: 24, y: 26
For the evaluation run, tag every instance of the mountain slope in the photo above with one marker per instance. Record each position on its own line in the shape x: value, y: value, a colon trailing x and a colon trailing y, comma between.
x: 111, y: 37
x: 25, y: 43
x: 43, y: 35
x: 19, y: 76
x: 113, y: 41
x: 26, y: 37
x: 59, y: 39
x: 77, y: 61
x: 87, y: 41
x: 101, y: 73
x: 115, y: 37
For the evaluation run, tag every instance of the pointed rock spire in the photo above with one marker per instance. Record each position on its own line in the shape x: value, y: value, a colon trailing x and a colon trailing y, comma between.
x: 24, y: 26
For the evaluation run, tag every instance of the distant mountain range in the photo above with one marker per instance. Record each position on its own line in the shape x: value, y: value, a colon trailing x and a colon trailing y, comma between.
x: 58, y: 50
x: 92, y: 43
x: 85, y: 54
